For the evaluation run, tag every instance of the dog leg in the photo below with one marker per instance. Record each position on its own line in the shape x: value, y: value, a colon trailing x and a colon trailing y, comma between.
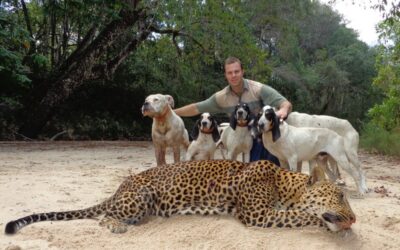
x: 292, y: 163
x: 211, y: 156
x: 246, y: 157
x: 344, y: 163
x: 185, y: 143
x: 299, y: 166
x: 311, y: 164
x: 160, y: 155
x: 232, y: 156
x: 360, y: 173
x: 333, y: 166
x: 177, y: 153
x: 284, y: 164
x: 322, y: 161
x: 189, y: 154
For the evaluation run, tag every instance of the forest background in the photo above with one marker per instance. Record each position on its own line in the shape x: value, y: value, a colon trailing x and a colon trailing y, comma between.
x: 80, y: 70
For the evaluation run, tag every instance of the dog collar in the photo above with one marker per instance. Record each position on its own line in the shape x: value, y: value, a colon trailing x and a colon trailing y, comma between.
x: 161, y: 118
x: 242, y: 124
x: 209, y: 131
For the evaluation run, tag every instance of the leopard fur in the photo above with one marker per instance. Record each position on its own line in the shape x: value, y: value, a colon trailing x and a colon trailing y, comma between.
x: 258, y: 194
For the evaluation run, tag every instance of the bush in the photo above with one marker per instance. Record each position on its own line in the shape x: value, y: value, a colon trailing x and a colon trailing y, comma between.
x: 376, y: 139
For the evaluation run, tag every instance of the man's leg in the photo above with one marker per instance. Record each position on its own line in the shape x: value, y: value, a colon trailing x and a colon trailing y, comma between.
x: 259, y: 152
x: 255, y: 152
x: 266, y: 155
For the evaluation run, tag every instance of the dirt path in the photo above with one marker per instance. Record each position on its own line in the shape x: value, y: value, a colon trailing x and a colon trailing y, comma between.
x: 42, y: 176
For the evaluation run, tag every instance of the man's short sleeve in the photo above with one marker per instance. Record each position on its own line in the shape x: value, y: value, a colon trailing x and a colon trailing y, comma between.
x: 209, y: 105
x: 271, y: 97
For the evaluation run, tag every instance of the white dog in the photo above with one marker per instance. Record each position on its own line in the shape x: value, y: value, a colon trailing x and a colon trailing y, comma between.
x: 205, y: 135
x: 340, y: 126
x: 237, y: 137
x: 168, y: 129
x: 291, y: 145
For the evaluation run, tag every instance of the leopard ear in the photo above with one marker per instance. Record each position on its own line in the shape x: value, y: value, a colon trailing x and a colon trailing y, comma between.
x: 317, y: 175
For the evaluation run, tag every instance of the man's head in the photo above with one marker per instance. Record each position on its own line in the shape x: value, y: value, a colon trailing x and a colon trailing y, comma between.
x: 234, y: 72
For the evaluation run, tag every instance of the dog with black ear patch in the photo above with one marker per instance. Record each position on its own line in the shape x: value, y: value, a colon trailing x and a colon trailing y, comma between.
x: 293, y: 144
x: 205, y: 134
x: 237, y: 138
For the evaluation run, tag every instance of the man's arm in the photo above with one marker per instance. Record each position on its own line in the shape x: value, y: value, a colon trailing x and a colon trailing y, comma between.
x: 284, y: 109
x: 188, y: 110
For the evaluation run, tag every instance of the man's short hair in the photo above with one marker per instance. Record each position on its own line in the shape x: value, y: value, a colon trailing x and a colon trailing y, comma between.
x: 231, y: 60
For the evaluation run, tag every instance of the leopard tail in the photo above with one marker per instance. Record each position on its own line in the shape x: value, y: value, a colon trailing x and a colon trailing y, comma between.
x: 14, y: 226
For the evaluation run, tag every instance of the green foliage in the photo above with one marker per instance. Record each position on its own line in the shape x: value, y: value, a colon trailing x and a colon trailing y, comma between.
x: 11, y: 67
x: 387, y: 114
x: 14, y: 41
x: 13, y: 73
x: 377, y: 139
x: 382, y: 133
x: 299, y: 47
x: 190, y: 68
x: 321, y: 66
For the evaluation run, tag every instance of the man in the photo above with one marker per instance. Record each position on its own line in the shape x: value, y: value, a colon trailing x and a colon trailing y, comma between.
x: 255, y: 94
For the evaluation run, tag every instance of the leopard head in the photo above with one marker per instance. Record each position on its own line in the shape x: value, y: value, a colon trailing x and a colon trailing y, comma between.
x: 328, y: 202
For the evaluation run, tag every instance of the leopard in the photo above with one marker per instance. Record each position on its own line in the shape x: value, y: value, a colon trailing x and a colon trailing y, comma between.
x: 258, y: 194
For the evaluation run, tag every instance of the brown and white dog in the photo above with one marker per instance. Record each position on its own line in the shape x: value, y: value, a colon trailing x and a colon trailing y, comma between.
x: 168, y: 129
x: 205, y: 135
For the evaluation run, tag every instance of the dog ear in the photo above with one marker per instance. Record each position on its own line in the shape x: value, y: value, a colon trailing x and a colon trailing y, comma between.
x: 276, y: 132
x: 233, y: 121
x: 251, y: 121
x: 196, y: 130
x: 215, y: 133
x: 249, y: 114
x: 170, y: 100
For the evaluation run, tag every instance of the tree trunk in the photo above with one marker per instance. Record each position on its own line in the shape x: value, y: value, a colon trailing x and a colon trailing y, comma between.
x: 32, y: 47
x: 84, y: 67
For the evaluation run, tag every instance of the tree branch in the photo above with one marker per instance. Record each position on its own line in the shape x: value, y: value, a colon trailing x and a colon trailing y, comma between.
x: 79, y: 50
x: 175, y: 33
x: 105, y: 71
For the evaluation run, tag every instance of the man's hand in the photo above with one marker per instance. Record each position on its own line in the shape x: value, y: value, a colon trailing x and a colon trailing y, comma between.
x: 284, y: 110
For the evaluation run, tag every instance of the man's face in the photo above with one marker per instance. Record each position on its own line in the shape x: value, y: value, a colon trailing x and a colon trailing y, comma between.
x: 234, y: 74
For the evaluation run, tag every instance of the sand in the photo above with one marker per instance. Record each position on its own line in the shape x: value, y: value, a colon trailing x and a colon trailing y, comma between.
x: 54, y: 176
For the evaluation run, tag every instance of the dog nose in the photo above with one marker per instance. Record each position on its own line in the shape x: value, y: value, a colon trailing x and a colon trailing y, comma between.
x: 261, y: 126
x: 204, y: 124
x: 240, y: 112
x: 146, y: 105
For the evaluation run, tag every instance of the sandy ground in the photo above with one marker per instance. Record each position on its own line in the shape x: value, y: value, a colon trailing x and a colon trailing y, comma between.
x: 43, y: 177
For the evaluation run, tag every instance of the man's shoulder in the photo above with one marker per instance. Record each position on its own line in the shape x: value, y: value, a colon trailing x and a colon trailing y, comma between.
x: 254, y: 86
x: 253, y: 83
x: 224, y: 91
